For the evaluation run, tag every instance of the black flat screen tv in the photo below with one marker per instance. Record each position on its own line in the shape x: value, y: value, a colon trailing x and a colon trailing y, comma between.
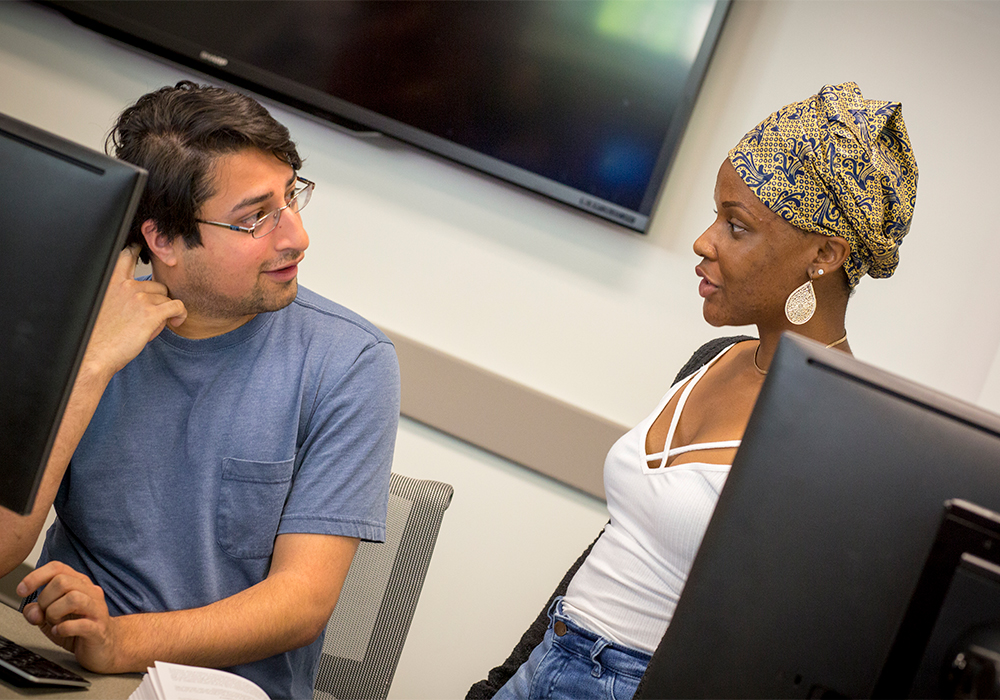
x: 583, y: 101
x: 66, y: 210
x: 811, y: 562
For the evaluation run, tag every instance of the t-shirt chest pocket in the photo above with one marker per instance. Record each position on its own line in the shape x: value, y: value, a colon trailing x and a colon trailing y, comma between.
x: 251, y: 498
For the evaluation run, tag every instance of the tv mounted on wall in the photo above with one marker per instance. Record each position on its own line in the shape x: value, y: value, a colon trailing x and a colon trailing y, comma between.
x: 583, y: 101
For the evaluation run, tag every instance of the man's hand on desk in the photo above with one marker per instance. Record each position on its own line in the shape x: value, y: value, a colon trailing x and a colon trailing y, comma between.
x: 70, y: 610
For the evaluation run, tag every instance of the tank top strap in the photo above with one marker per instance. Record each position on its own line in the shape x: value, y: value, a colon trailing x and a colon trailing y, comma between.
x: 675, y: 419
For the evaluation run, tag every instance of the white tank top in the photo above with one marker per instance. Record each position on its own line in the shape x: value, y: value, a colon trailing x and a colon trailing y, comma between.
x: 628, y: 586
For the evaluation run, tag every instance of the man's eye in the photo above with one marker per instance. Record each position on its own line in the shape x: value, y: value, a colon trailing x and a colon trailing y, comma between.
x: 251, y: 219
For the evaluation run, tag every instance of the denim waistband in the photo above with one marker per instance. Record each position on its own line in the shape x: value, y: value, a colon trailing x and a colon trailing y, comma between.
x: 600, y: 650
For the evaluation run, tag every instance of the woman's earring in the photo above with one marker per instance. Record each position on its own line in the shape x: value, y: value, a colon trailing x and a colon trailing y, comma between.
x: 801, y: 304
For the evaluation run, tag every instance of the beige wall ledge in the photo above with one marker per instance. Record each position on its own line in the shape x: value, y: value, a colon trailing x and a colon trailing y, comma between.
x: 501, y: 416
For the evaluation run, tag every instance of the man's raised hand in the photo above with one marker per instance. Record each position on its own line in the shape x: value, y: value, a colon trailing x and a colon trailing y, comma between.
x: 132, y: 314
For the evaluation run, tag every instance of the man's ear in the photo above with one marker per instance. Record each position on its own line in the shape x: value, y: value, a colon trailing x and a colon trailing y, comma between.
x: 160, y: 247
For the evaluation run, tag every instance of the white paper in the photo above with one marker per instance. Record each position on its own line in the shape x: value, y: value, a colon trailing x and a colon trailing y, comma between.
x: 166, y: 681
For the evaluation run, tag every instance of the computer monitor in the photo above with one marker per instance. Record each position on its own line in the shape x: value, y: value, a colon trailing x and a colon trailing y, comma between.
x: 822, y: 532
x: 64, y: 213
x: 948, y: 645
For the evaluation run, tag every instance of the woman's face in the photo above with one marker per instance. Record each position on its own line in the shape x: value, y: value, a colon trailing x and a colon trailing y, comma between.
x: 752, y: 259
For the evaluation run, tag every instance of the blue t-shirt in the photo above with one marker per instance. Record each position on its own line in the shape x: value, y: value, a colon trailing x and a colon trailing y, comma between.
x: 201, y: 452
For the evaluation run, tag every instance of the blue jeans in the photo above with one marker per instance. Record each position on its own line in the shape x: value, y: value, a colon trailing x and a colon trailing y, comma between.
x: 576, y: 664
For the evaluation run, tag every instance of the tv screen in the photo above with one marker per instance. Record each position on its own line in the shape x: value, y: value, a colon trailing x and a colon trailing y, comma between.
x: 583, y: 101
x: 811, y: 560
x: 66, y: 211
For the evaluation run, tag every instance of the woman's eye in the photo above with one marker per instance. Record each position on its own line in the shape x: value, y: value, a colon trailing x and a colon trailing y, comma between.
x: 736, y: 227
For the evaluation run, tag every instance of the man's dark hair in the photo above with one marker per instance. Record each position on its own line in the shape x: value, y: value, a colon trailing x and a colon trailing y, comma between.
x: 177, y: 133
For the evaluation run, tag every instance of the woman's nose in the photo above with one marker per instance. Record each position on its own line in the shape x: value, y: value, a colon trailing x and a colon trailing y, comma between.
x: 703, y: 245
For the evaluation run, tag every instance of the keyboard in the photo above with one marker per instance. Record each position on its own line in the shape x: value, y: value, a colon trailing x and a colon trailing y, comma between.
x: 28, y: 667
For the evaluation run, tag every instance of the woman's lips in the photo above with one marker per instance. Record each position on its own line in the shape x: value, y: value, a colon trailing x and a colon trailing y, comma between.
x: 705, y: 287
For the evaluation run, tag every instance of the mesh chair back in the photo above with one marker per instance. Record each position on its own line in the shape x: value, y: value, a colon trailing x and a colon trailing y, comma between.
x: 365, y: 634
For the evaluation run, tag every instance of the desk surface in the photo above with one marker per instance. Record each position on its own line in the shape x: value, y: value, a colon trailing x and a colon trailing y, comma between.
x: 14, y: 628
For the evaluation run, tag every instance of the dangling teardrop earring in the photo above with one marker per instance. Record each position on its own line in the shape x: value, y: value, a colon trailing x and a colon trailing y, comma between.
x: 801, y: 304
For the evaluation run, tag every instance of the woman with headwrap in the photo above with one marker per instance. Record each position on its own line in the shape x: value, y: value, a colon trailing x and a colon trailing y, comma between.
x: 816, y: 196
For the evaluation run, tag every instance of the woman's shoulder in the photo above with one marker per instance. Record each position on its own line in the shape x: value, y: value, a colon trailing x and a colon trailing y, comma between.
x: 706, y: 352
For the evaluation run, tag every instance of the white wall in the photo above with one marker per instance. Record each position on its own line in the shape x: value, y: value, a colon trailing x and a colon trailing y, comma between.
x: 583, y: 310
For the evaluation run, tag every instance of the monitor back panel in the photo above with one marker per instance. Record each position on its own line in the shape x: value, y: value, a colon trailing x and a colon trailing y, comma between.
x: 821, y: 532
x: 64, y: 213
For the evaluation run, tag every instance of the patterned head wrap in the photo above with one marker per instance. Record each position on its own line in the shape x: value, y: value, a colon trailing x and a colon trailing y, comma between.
x: 839, y: 165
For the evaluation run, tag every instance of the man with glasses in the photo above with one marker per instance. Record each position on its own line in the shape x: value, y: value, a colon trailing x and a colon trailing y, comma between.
x: 229, y: 438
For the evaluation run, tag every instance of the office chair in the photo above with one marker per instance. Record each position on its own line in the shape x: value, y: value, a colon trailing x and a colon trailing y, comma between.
x: 365, y: 634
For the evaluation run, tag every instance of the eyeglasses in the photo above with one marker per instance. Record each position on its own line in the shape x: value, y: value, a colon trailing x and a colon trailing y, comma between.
x: 267, y: 223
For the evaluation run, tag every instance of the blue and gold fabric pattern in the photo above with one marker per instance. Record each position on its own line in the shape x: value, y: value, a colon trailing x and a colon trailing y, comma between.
x: 839, y: 165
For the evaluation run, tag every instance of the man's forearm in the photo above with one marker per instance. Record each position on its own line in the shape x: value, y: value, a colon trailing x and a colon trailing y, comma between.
x: 287, y: 610
x: 255, y: 624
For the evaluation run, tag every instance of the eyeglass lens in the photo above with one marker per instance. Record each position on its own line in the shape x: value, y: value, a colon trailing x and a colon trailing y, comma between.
x: 297, y: 203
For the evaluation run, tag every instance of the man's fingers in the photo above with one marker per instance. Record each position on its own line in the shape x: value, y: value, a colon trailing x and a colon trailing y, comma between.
x: 127, y: 259
x: 55, y: 580
x: 132, y: 314
x: 77, y: 627
x: 132, y: 249
x: 178, y: 312
x: 62, y: 586
x: 67, y: 643
x: 70, y: 610
x: 33, y: 613
x: 71, y: 605
x: 43, y: 574
x: 166, y: 310
x: 66, y: 595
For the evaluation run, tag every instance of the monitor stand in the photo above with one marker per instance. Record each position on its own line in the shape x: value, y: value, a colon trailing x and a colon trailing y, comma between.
x: 948, y: 645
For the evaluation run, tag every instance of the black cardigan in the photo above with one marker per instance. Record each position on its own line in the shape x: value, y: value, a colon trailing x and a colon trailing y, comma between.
x: 485, y: 689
